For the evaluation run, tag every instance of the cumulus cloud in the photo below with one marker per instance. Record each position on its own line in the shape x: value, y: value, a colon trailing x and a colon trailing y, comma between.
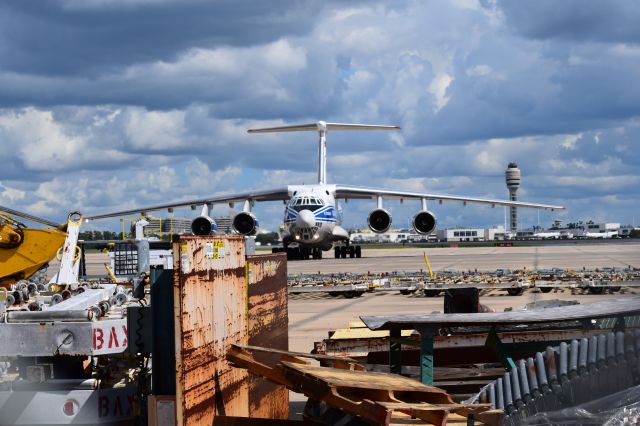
x: 108, y: 104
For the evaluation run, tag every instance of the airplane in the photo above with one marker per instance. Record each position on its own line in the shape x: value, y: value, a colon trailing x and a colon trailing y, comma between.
x: 312, y: 216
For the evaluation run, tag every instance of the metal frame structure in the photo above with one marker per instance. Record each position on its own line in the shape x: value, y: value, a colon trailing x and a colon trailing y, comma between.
x: 429, y: 325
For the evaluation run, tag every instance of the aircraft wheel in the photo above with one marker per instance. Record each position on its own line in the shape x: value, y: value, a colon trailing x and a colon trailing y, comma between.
x: 352, y: 252
x: 343, y: 252
x: 336, y: 251
x: 319, y: 254
x: 516, y: 291
x: 358, y: 252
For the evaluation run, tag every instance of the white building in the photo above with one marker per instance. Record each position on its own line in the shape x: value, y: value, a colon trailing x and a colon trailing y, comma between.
x: 494, y: 233
x: 393, y: 236
x: 598, y: 230
x: 461, y: 234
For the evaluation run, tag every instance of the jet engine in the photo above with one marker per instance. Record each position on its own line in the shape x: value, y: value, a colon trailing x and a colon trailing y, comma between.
x: 379, y: 220
x: 424, y: 222
x: 245, y: 223
x: 203, y: 225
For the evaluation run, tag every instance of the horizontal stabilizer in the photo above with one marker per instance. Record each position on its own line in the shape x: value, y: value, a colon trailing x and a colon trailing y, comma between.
x: 321, y: 125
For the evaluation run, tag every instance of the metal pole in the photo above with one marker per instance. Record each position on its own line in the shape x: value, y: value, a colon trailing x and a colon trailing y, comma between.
x: 395, y: 351
x: 426, y: 355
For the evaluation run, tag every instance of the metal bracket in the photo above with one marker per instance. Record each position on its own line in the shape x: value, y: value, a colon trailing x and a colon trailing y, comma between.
x: 494, y: 342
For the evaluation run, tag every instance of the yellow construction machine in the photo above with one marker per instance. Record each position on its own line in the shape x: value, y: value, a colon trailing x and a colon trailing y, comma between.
x: 24, y: 250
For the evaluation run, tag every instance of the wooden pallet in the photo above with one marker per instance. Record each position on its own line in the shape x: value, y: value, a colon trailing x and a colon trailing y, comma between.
x: 379, y: 398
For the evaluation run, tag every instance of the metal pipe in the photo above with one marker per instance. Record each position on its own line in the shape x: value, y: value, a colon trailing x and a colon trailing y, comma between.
x: 524, y: 383
x: 533, y: 378
x: 500, y: 395
x: 582, y: 357
x: 602, y: 348
x: 542, y: 374
x: 573, y: 358
x: 564, y: 360
x: 492, y: 395
x: 515, y: 388
x: 508, y: 397
x: 552, y: 368
x: 619, y: 345
x: 593, y: 353
x: 611, y: 347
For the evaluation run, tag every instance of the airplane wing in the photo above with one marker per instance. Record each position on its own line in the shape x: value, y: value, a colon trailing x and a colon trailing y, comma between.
x: 277, y: 194
x: 351, y: 192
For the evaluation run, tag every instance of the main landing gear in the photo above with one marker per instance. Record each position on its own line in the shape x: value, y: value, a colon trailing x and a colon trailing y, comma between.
x: 347, y: 251
x: 299, y: 253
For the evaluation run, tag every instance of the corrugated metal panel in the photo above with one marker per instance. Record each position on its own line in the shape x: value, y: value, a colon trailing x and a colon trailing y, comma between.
x: 210, y: 304
x: 269, y: 328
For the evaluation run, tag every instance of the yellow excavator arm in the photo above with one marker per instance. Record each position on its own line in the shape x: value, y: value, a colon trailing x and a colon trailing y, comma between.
x: 24, y: 250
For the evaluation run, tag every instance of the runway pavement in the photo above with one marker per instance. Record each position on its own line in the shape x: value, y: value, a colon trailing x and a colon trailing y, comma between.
x: 574, y: 256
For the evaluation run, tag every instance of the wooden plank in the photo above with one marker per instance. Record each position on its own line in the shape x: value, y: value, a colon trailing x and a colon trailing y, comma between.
x: 317, y: 357
x: 268, y: 328
x: 603, y: 309
x: 210, y: 307
x: 366, y: 380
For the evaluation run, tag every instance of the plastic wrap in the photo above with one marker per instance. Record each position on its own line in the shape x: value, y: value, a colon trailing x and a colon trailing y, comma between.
x: 621, y: 408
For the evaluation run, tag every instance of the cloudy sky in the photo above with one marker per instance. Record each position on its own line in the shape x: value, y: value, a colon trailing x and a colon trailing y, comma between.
x: 110, y: 104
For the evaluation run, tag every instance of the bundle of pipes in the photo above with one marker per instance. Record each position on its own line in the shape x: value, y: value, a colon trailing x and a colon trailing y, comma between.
x: 565, y: 376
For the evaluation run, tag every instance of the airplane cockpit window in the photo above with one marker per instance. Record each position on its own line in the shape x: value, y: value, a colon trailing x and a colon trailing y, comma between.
x: 307, y: 203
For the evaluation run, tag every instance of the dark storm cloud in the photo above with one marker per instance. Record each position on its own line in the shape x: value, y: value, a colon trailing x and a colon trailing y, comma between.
x: 614, y: 21
x: 89, y: 38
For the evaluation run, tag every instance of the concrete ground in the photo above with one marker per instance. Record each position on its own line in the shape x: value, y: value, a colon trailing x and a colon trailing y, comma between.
x: 575, y: 256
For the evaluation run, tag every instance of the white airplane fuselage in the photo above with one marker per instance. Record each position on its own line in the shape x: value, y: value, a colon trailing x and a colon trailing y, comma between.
x: 312, y: 218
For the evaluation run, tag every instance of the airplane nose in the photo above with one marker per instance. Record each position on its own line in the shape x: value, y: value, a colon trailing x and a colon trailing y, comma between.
x: 305, y: 219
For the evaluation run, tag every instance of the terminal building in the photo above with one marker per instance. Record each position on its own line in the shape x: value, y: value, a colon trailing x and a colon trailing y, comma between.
x: 471, y: 234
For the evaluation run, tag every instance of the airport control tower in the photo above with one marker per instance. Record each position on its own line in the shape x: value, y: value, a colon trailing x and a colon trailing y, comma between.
x: 512, y: 176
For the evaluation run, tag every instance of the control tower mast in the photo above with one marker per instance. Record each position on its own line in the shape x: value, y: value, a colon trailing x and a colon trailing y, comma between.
x: 512, y: 176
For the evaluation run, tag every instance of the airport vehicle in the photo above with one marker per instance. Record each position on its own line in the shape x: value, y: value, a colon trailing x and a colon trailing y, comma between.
x: 312, y: 217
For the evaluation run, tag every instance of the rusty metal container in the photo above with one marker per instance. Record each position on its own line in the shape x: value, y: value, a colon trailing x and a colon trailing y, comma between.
x: 210, y: 305
x: 268, y: 328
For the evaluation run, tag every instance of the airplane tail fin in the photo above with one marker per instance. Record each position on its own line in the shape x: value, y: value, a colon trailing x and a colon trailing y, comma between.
x: 322, y: 127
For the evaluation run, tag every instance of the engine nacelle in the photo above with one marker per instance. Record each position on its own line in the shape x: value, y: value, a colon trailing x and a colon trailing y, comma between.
x: 245, y: 223
x: 424, y: 222
x: 379, y: 220
x: 203, y: 225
